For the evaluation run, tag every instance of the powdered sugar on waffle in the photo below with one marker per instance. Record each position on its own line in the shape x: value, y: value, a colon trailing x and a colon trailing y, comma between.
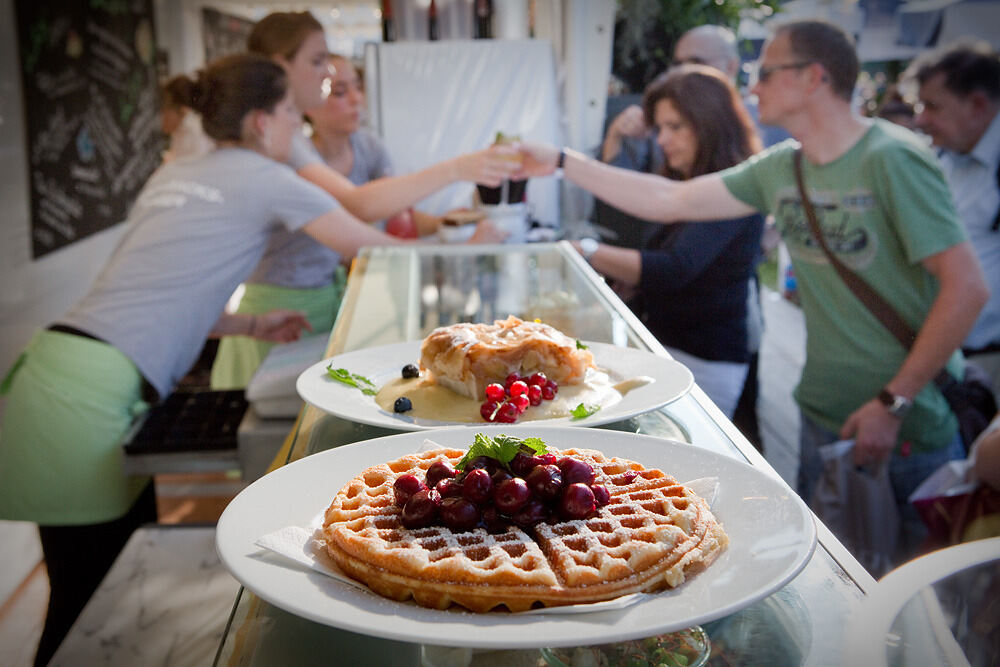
x: 652, y: 534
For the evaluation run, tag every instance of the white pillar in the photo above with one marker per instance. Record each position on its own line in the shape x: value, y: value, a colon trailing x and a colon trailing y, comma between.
x: 587, y: 35
x: 510, y: 19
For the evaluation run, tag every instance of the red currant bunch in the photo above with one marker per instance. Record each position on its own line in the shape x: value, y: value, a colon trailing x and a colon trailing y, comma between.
x: 506, y: 402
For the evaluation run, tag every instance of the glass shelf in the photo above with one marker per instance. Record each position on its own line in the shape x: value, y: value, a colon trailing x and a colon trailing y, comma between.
x: 401, y: 293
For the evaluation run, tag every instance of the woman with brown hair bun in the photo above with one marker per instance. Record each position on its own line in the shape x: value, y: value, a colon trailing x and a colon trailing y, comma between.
x: 196, y: 231
x: 689, y: 284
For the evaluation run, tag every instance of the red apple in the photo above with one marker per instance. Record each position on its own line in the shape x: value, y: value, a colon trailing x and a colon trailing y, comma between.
x: 402, y: 225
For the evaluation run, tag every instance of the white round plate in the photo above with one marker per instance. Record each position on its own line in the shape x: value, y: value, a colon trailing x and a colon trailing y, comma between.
x: 381, y: 364
x: 771, y: 532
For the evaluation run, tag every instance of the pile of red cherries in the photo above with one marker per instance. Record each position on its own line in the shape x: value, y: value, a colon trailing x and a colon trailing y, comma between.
x: 487, y: 494
x: 506, y: 402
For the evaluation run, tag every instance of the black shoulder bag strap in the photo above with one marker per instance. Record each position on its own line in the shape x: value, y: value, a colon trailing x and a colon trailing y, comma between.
x: 878, y: 306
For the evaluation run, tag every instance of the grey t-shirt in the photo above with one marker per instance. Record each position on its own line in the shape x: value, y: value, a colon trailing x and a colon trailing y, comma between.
x: 294, y: 259
x: 302, y: 152
x: 196, y: 231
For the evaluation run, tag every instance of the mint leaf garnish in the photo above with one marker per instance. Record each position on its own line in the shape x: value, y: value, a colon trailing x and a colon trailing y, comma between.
x: 581, y: 411
x: 503, y: 448
x: 537, y: 445
x: 580, y: 345
x: 366, y: 386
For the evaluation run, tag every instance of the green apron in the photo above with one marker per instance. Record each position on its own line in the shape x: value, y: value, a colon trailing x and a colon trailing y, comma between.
x: 239, y: 356
x: 70, y: 401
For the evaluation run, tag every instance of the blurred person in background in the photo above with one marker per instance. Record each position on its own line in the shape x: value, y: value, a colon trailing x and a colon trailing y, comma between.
x: 959, y: 92
x: 629, y: 143
x: 297, y: 272
x: 895, y: 109
x: 346, y: 145
x: 296, y: 41
x: 691, y: 281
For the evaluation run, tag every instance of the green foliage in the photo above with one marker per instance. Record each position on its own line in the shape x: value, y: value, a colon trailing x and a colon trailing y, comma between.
x: 646, y: 31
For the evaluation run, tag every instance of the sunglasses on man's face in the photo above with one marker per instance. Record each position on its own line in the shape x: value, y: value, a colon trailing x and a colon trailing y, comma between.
x: 764, y: 73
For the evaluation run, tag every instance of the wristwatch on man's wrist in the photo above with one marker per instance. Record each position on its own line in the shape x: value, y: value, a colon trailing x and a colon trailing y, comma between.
x: 897, y: 405
x: 588, y: 247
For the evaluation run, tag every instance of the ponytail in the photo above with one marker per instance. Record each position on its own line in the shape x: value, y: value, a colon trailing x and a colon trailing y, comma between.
x: 181, y: 91
x: 230, y: 88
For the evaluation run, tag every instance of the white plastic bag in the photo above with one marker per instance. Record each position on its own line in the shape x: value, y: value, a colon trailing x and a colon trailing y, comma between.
x: 857, y: 504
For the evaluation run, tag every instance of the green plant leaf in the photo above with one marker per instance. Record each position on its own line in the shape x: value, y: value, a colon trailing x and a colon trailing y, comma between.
x: 343, y: 375
x: 583, y: 410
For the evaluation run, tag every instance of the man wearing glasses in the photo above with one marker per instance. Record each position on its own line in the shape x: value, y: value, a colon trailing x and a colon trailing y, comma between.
x: 885, y: 211
x: 959, y: 90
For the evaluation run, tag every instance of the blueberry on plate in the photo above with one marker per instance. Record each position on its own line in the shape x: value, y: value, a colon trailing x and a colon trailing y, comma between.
x: 402, y: 404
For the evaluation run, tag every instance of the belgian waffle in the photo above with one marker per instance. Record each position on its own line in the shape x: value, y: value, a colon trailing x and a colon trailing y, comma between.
x: 652, y: 535
x: 466, y: 357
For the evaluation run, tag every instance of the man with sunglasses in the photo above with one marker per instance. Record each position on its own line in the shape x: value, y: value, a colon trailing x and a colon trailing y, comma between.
x: 959, y: 91
x: 884, y: 210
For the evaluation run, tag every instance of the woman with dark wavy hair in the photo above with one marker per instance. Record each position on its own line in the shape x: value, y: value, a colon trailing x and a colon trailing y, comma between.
x: 690, y: 283
x: 723, y: 130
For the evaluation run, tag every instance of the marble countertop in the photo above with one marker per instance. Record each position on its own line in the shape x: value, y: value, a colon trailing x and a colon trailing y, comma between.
x: 164, y: 602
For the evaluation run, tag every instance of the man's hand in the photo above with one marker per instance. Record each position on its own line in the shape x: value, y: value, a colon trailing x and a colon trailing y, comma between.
x: 874, y: 431
x: 489, y: 166
x: 279, y: 326
x: 629, y: 123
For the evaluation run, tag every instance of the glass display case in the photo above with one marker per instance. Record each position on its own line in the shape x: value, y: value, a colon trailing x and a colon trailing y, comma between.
x: 401, y: 293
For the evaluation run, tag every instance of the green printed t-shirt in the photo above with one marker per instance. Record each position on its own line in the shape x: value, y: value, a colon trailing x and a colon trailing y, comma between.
x: 883, y: 207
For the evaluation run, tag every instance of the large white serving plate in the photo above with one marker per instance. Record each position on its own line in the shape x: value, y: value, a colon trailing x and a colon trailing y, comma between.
x: 671, y: 380
x: 772, y: 536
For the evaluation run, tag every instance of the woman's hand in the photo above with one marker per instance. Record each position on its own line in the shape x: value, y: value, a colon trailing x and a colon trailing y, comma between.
x: 987, y: 449
x: 489, y: 166
x: 278, y: 326
x: 537, y: 160
x: 487, y: 232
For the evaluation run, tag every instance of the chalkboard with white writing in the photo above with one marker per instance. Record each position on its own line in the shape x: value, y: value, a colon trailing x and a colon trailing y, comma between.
x: 91, y: 104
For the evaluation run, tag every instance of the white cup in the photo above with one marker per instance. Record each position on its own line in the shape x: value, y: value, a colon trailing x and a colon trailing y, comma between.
x: 511, y: 218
